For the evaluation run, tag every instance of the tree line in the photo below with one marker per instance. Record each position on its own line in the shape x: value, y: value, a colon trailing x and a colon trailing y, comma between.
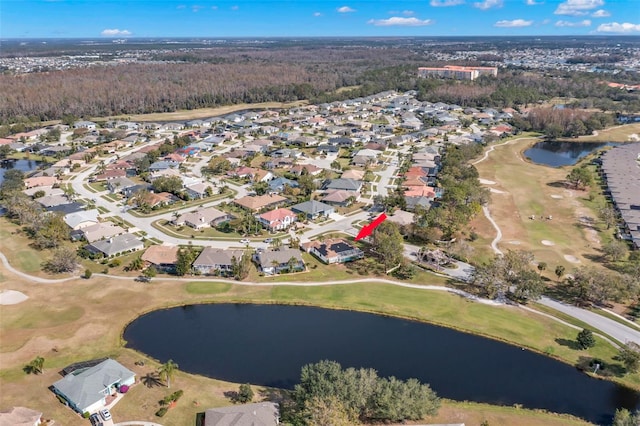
x: 330, y: 395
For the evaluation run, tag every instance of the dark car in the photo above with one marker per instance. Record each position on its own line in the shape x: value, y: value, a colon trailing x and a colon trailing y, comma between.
x: 95, y: 420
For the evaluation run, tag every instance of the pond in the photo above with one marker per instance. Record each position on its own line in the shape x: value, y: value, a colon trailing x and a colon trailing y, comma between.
x: 22, y: 165
x: 557, y: 154
x: 268, y: 344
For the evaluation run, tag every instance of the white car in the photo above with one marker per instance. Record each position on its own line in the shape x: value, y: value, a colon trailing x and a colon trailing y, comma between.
x: 245, y: 241
x: 105, y: 414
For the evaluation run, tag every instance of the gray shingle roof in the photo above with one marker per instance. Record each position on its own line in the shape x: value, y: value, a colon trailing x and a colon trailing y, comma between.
x: 258, y: 414
x: 311, y: 207
x: 86, y: 388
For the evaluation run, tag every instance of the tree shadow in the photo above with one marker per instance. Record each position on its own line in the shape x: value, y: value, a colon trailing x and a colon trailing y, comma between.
x: 232, y: 395
x: 151, y: 380
x: 571, y: 344
x: 273, y: 395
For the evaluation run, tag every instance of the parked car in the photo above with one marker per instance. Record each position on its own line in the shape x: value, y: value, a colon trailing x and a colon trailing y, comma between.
x: 268, y: 240
x: 95, y: 420
x: 105, y: 414
x: 245, y: 241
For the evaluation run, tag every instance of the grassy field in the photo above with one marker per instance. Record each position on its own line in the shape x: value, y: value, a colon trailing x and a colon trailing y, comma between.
x: 623, y: 133
x: 83, y: 319
x: 521, y: 189
x: 206, y: 112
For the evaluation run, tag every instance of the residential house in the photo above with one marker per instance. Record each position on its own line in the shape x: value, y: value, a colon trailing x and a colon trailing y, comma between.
x: 311, y: 169
x: 52, y: 200
x: 275, y: 261
x: 217, y: 261
x: 203, y: 218
x: 89, y: 125
x: 402, y: 218
x: 120, y: 185
x: 259, y: 202
x: 33, y: 182
x: 159, y: 199
x: 279, y: 184
x: 87, y: 390
x: 198, y: 190
x: 162, y: 165
x: 116, y: 246
x: 345, y: 184
x: 340, y: 197
x: 20, y: 416
x: 81, y: 219
x: 334, y: 250
x: 313, y: 209
x: 99, y: 231
x: 353, y: 174
x: 162, y: 257
x: 278, y: 219
x: 110, y: 175
x: 257, y: 414
x: 66, y: 208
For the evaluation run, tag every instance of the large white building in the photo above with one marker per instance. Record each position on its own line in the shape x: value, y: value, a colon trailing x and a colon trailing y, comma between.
x: 457, y: 72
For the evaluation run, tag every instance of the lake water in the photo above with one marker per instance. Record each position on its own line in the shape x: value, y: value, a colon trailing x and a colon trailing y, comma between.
x: 22, y: 165
x: 268, y: 344
x: 557, y: 154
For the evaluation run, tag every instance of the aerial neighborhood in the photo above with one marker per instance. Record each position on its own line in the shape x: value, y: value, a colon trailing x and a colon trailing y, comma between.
x: 235, y: 181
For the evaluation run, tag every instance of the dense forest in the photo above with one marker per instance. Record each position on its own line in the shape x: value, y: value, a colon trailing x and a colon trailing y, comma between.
x: 195, y: 78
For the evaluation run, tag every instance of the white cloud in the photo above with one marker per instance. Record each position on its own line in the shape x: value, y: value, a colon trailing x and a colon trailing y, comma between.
x: 533, y: 3
x: 601, y: 13
x: 408, y: 12
x: 345, y: 9
x: 317, y: 14
x: 115, y: 32
x: 400, y: 22
x: 445, y: 3
x: 614, y: 27
x: 545, y: 21
x: 516, y: 23
x: 585, y: 23
x: 487, y: 4
x: 577, y: 7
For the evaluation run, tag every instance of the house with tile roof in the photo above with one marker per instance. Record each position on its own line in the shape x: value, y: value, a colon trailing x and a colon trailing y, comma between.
x: 278, y: 219
x: 162, y: 257
x: 87, y: 390
x: 260, y: 202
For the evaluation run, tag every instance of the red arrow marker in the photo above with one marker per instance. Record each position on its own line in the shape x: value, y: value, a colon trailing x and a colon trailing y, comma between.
x: 368, y: 229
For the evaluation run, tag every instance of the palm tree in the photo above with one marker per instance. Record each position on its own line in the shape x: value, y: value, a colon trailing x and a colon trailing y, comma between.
x: 167, y: 370
x: 276, y: 243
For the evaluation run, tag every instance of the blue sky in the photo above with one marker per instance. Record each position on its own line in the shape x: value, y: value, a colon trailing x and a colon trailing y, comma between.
x: 246, y: 18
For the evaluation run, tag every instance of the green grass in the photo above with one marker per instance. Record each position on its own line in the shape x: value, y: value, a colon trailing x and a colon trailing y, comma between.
x: 46, y: 317
x: 203, y: 287
x: 184, y: 204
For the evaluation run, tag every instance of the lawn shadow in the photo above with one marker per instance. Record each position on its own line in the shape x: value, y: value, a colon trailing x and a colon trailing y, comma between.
x: 558, y: 184
x: 571, y: 344
x: 601, y: 368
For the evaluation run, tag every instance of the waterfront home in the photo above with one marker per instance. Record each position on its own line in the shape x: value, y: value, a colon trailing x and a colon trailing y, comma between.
x: 162, y: 257
x: 257, y: 414
x: 20, y: 416
x: 214, y: 260
x: 334, y: 250
x: 275, y: 261
x: 87, y: 390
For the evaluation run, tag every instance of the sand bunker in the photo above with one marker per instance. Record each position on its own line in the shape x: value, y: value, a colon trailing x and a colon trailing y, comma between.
x: 12, y: 297
x: 634, y: 137
x: 571, y: 259
x: 557, y: 197
x: 547, y: 243
x: 486, y: 182
x: 515, y: 243
x: 496, y: 191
